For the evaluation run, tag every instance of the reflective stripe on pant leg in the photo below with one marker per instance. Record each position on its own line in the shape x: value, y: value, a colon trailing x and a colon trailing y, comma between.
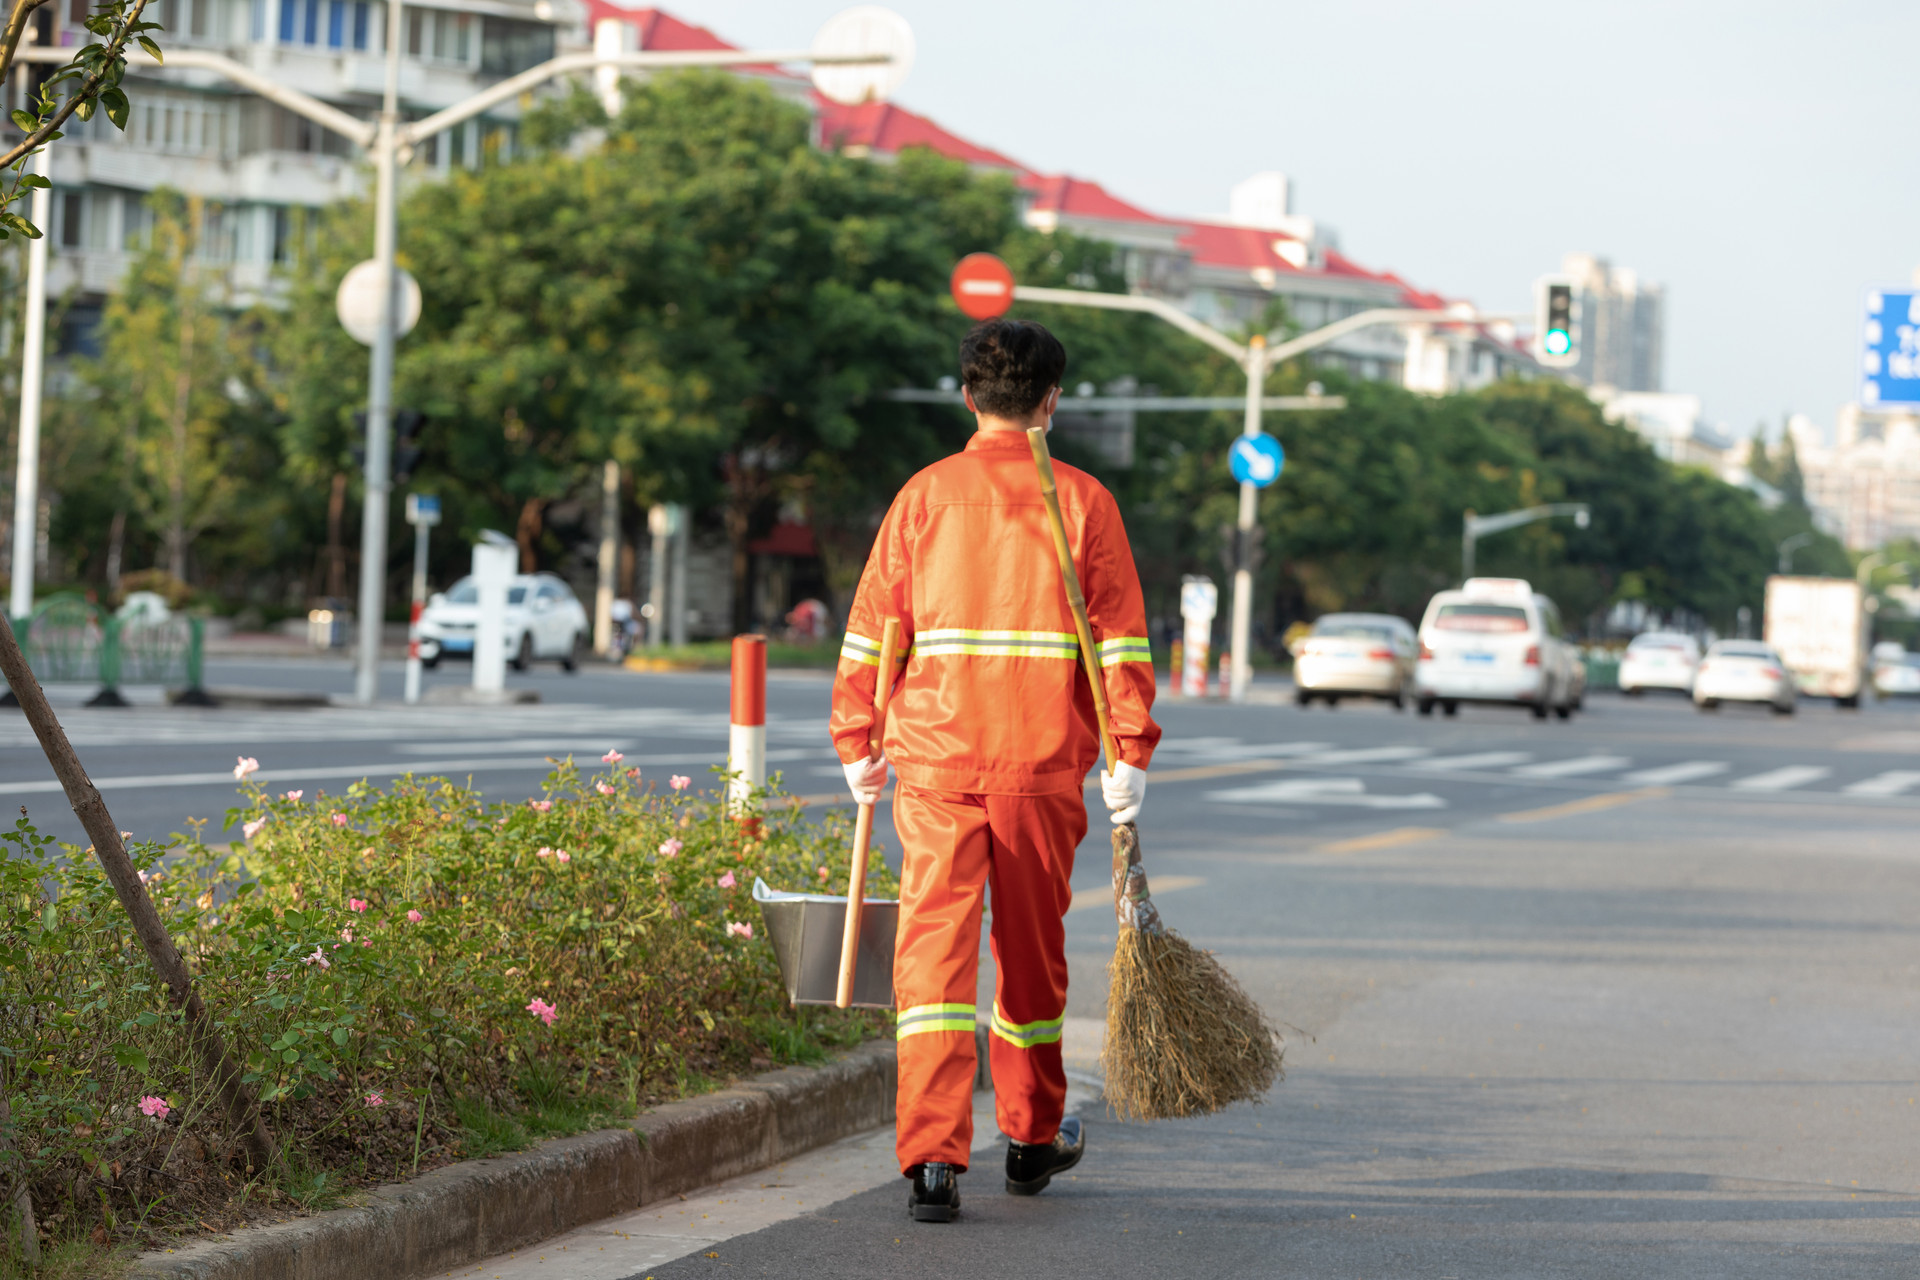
x: 1033, y: 839
x: 943, y: 840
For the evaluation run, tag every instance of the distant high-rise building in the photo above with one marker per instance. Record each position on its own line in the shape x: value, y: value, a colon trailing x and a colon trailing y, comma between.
x: 1621, y: 325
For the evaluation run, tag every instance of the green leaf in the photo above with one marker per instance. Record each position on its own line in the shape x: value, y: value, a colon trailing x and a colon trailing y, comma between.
x: 291, y: 1055
x: 340, y: 1035
x: 32, y: 180
x: 115, y: 101
x: 130, y: 1056
x: 24, y: 121
x: 49, y: 918
x: 153, y: 50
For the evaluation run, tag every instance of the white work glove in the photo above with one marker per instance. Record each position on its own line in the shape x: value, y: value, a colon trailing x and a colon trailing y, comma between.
x: 1124, y: 790
x: 867, y: 778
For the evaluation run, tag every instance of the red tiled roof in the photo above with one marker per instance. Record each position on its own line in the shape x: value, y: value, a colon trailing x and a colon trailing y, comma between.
x: 1057, y: 193
x: 883, y: 127
x: 1242, y: 248
x: 661, y: 32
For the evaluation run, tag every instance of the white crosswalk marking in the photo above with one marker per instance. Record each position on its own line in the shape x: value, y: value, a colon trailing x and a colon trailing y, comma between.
x: 1669, y: 775
x: 1794, y: 775
x: 1478, y: 760
x: 1891, y: 783
x: 1574, y: 767
x: 1366, y: 755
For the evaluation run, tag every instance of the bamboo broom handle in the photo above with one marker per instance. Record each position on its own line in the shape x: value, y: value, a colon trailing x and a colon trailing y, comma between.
x: 1089, y: 656
x: 863, y: 825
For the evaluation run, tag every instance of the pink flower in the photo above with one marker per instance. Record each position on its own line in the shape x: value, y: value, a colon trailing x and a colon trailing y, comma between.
x: 824, y: 873
x: 346, y: 935
x: 293, y: 795
x: 671, y: 848
x: 243, y: 766
x: 679, y: 782
x: 152, y: 877
x: 414, y: 917
x: 613, y: 756
x: 376, y: 1099
x: 542, y: 1010
x: 543, y: 852
x: 339, y: 819
x: 634, y: 774
x: 602, y: 787
x: 155, y: 1107
x: 366, y: 942
x: 737, y: 929
x: 539, y: 806
x: 252, y: 829
x: 356, y: 904
x: 318, y: 957
x: 727, y: 881
x: 561, y: 855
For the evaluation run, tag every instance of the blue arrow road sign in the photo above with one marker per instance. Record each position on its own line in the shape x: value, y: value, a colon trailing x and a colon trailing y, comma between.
x: 1890, y: 361
x: 1256, y: 460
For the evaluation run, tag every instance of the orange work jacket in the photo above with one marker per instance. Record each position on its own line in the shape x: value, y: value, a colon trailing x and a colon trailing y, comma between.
x: 993, y: 700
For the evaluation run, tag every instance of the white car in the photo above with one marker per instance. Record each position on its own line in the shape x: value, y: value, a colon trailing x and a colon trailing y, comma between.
x: 1896, y: 672
x: 1368, y: 655
x: 1659, y: 660
x: 543, y: 620
x: 1744, y: 671
x: 1497, y: 640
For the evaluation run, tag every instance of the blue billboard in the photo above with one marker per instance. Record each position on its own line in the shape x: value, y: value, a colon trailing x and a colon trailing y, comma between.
x: 1890, y: 341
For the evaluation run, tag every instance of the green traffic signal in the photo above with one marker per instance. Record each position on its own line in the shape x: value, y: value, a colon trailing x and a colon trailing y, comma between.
x: 1558, y: 342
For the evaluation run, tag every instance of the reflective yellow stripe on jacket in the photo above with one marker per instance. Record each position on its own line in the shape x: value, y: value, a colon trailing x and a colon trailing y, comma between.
x: 951, y: 641
x: 1125, y: 649
x: 1026, y: 1035
x: 857, y: 648
x: 934, y: 1017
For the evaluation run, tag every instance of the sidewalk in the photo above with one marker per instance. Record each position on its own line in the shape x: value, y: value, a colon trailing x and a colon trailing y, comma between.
x: 625, y: 1246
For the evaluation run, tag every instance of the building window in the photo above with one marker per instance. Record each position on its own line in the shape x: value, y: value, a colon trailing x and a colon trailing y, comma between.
x: 508, y: 47
x: 72, y: 222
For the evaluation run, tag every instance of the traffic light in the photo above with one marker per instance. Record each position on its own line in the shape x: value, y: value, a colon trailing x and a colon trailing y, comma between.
x: 406, y: 441
x: 1557, y: 340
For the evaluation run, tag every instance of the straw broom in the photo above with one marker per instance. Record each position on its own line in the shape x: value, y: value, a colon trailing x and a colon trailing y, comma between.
x: 1183, y: 1038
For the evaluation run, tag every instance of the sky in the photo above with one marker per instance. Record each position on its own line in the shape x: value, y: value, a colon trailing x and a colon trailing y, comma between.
x: 1747, y: 156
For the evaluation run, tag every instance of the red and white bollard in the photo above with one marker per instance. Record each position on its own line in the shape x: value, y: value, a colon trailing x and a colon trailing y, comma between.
x: 747, y: 733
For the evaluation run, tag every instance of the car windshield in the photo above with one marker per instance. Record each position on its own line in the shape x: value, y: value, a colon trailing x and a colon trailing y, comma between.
x: 1658, y: 642
x: 1481, y: 617
x: 465, y: 592
x: 1742, y: 651
x: 1353, y: 631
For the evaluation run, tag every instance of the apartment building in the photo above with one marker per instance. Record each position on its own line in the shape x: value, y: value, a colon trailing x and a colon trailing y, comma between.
x: 1621, y: 320
x: 255, y: 167
x: 1864, y: 484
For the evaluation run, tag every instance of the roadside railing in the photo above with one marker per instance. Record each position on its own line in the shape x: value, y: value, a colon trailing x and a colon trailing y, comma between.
x: 69, y: 639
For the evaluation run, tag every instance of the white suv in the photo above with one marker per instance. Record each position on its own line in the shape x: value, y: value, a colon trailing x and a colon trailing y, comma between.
x: 543, y: 620
x: 1497, y: 640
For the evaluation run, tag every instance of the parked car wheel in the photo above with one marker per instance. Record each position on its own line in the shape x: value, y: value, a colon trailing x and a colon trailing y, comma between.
x: 1450, y: 708
x: 430, y: 663
x: 1539, y: 710
x: 1424, y: 706
x: 1783, y: 708
x: 523, y: 656
x: 570, y: 660
x: 1301, y: 698
x: 1708, y: 704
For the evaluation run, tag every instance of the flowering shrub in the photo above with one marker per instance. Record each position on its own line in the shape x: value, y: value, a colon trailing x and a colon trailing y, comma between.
x: 411, y: 975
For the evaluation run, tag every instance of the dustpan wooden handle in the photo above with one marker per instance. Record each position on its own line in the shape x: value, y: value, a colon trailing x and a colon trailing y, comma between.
x: 863, y: 825
x: 1089, y: 656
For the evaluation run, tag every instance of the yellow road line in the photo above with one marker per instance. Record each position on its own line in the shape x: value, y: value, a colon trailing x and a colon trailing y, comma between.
x: 1591, y: 804
x: 1102, y: 896
x: 1383, y: 840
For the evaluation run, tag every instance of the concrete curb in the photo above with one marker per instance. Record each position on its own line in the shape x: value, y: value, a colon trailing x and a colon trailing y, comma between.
x: 481, y: 1208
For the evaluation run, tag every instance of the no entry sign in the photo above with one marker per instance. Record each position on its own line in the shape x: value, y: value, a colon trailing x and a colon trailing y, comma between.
x: 982, y: 286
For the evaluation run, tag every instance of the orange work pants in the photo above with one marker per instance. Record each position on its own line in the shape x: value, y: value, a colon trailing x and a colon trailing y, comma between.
x: 953, y: 845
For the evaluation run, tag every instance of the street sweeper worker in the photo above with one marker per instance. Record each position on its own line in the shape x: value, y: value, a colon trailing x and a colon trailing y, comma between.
x: 991, y: 735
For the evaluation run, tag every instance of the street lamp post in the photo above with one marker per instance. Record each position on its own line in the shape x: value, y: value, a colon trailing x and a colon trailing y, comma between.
x: 1473, y: 527
x: 859, y: 55
x: 1257, y: 358
x: 1787, y: 547
x: 26, y: 479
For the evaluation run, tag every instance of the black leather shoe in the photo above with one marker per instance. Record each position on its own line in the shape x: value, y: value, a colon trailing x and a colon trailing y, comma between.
x: 936, y: 1193
x: 1031, y: 1165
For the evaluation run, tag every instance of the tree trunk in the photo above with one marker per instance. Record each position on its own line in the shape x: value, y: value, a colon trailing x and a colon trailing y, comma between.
x: 22, y: 1197
x: 527, y: 533
x: 336, y: 547
x: 243, y: 1111
x: 116, y: 545
x: 182, y: 400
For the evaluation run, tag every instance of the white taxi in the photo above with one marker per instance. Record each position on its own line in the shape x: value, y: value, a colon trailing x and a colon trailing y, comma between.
x: 1659, y: 660
x: 1367, y: 655
x: 1744, y: 671
x: 1497, y: 640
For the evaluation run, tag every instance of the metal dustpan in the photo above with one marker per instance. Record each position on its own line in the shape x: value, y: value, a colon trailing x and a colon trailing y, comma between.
x: 806, y: 930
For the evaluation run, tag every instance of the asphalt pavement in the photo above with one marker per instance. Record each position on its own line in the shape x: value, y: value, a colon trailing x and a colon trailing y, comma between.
x: 1628, y: 996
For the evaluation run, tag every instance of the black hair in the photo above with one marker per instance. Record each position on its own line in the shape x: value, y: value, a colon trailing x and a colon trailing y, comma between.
x: 1010, y: 365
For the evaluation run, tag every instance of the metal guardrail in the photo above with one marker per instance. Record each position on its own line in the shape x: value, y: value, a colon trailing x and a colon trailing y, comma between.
x: 1603, y: 672
x: 69, y: 639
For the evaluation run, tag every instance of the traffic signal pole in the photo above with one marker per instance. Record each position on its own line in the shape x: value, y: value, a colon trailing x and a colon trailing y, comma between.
x: 1257, y: 358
